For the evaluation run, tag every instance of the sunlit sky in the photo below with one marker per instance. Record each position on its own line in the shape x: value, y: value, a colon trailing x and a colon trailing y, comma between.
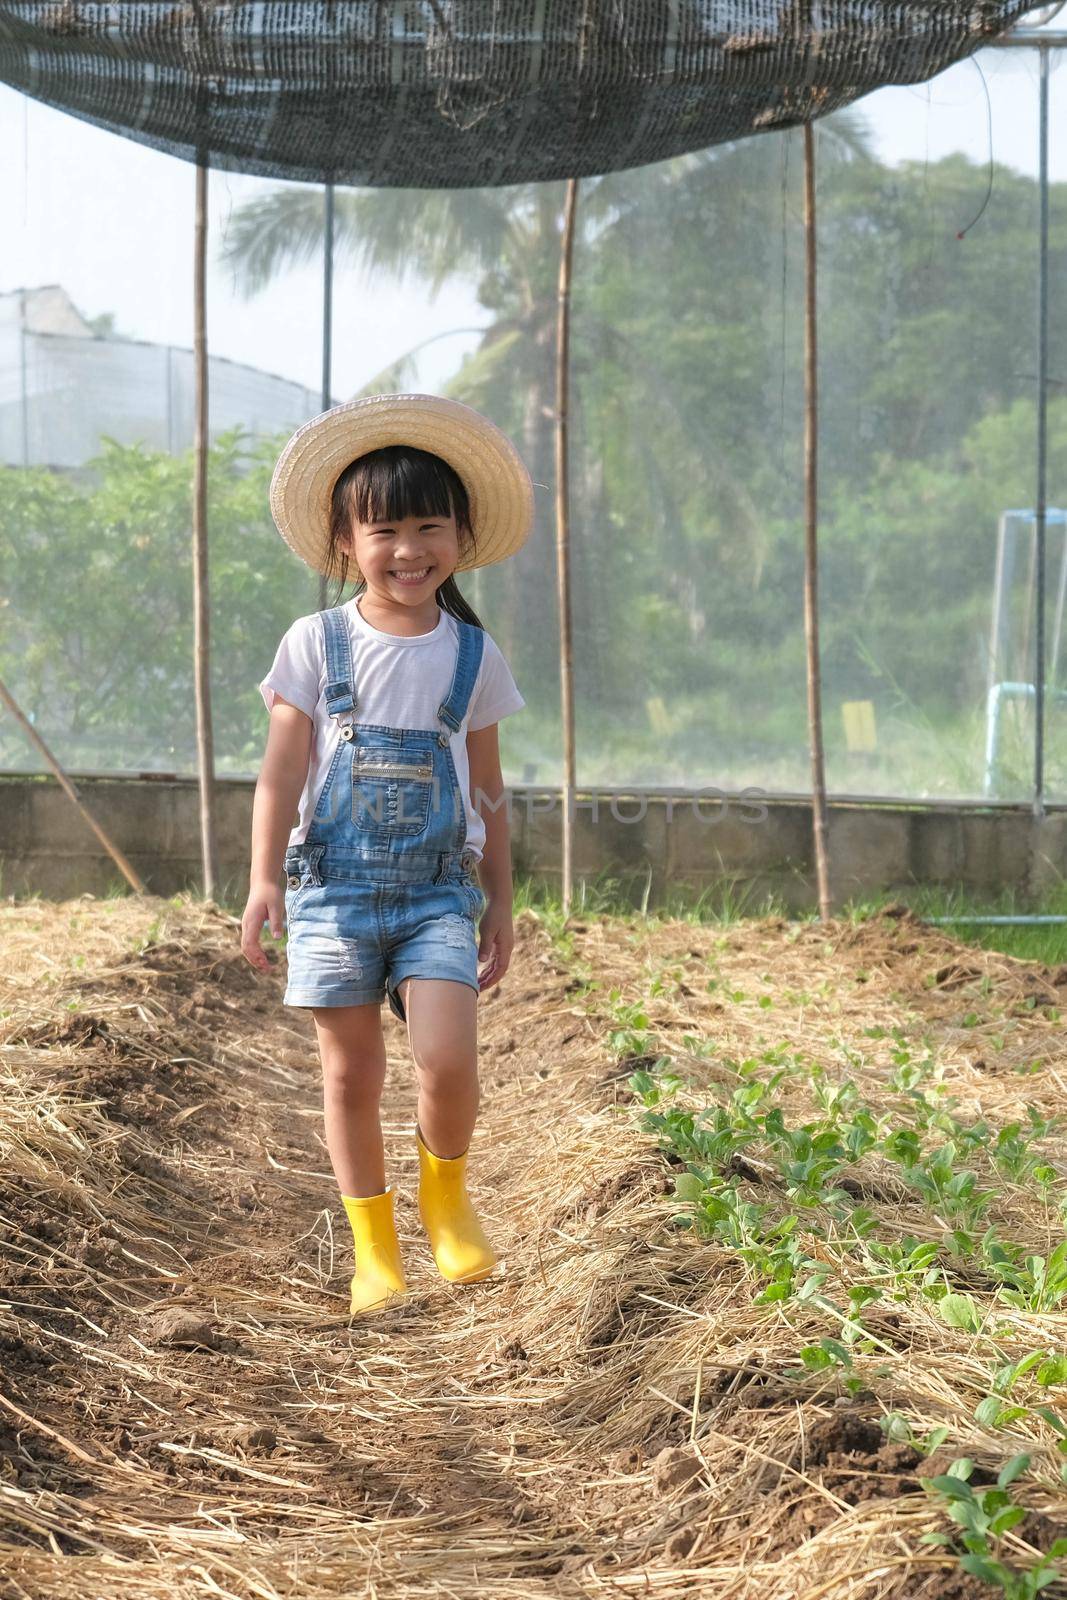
x: 111, y: 221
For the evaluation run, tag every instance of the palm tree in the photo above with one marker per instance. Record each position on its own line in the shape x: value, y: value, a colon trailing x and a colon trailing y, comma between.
x: 507, y: 240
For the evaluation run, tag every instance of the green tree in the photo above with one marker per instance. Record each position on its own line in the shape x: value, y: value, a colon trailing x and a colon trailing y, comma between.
x: 687, y: 516
x: 507, y: 240
x: 98, y: 635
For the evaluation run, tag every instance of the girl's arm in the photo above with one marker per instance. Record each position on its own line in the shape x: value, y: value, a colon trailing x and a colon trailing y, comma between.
x: 494, y: 872
x: 274, y: 810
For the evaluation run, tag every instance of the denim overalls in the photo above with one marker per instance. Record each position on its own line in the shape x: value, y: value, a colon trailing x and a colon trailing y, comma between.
x: 380, y: 888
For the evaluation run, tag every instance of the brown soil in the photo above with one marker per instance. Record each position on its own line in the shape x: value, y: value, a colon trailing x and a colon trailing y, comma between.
x: 186, y: 1410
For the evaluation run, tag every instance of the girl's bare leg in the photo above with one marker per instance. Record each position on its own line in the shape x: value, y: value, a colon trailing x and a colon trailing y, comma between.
x: 443, y: 1034
x: 352, y: 1049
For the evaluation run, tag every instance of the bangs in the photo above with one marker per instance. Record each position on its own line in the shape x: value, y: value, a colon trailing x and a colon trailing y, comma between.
x: 399, y: 481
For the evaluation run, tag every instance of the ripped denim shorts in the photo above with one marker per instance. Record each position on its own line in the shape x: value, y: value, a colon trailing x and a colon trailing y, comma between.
x: 351, y: 942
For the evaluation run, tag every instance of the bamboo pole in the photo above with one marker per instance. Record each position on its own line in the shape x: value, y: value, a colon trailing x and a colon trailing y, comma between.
x: 563, y: 582
x: 201, y: 602
x: 327, y: 326
x: 128, y: 872
x: 811, y: 523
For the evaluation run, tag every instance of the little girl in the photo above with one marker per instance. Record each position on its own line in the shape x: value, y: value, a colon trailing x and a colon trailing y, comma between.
x: 383, y: 723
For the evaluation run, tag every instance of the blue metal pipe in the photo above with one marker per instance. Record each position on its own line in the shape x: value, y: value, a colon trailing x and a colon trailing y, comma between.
x: 1037, y: 920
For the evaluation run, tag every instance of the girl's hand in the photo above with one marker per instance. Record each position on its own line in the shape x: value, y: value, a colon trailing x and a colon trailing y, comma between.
x: 495, y: 943
x: 266, y: 904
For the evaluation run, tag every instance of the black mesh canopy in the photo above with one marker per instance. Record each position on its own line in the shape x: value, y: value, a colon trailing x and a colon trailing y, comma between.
x: 451, y: 93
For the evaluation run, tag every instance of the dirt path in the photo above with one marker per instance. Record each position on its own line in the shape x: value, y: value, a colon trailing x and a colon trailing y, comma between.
x: 185, y: 1409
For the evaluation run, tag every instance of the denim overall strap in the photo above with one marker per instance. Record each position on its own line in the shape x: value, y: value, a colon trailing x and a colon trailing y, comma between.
x: 340, y: 689
x: 453, y: 708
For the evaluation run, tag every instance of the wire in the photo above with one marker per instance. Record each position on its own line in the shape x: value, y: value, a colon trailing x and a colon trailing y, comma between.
x: 786, y: 138
x: 1048, y: 14
x: 989, y: 122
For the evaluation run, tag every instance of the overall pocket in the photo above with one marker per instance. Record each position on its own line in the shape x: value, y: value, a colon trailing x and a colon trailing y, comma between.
x: 391, y: 788
x: 475, y: 896
x: 301, y: 874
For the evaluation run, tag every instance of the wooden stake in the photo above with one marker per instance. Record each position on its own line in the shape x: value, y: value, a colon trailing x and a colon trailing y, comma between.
x: 566, y: 658
x: 327, y: 327
x: 811, y: 524
x: 68, y: 788
x: 205, y: 744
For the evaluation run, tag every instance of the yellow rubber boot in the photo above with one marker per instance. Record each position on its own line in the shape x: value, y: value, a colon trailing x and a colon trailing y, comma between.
x: 462, y: 1252
x: 379, y: 1278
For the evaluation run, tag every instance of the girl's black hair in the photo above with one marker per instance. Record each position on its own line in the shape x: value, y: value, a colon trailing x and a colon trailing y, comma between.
x: 389, y: 484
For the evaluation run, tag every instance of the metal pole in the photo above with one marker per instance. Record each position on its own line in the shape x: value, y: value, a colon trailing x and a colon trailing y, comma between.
x: 811, y: 527
x: 1042, y: 444
x: 25, y: 385
x: 1027, y: 38
x: 170, y: 399
x: 1002, y: 575
x: 1038, y: 920
x: 1052, y: 664
x: 327, y: 328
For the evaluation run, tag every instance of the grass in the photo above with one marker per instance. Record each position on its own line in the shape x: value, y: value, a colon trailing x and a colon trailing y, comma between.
x: 1041, y: 943
x: 726, y: 904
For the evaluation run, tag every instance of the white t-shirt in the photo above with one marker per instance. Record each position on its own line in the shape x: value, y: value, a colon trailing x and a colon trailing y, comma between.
x: 400, y: 682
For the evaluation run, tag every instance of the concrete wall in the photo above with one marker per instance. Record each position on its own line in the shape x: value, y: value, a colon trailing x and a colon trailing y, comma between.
x: 645, y: 840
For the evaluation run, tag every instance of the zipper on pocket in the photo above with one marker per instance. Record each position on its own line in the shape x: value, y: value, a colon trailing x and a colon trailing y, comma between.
x: 391, y: 769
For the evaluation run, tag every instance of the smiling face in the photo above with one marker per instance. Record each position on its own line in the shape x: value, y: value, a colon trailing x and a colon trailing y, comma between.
x: 402, y: 517
x: 405, y: 560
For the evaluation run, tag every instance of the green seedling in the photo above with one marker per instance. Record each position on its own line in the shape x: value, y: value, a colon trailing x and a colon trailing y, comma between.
x: 986, y: 1516
x: 1059, y: 1426
x: 1006, y: 1377
x: 910, y: 1263
x: 899, y: 1430
x: 653, y: 1086
x: 960, y: 1311
x: 827, y: 1353
x: 946, y: 1191
x: 695, y: 1046
x: 993, y: 1413
x: 1012, y: 1155
x: 631, y: 1036
x: 1039, y: 1285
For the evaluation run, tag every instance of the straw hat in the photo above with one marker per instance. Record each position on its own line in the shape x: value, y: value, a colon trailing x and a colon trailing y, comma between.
x: 488, y: 464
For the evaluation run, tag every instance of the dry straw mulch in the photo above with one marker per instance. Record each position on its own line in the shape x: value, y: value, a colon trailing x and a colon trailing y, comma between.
x: 185, y: 1410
